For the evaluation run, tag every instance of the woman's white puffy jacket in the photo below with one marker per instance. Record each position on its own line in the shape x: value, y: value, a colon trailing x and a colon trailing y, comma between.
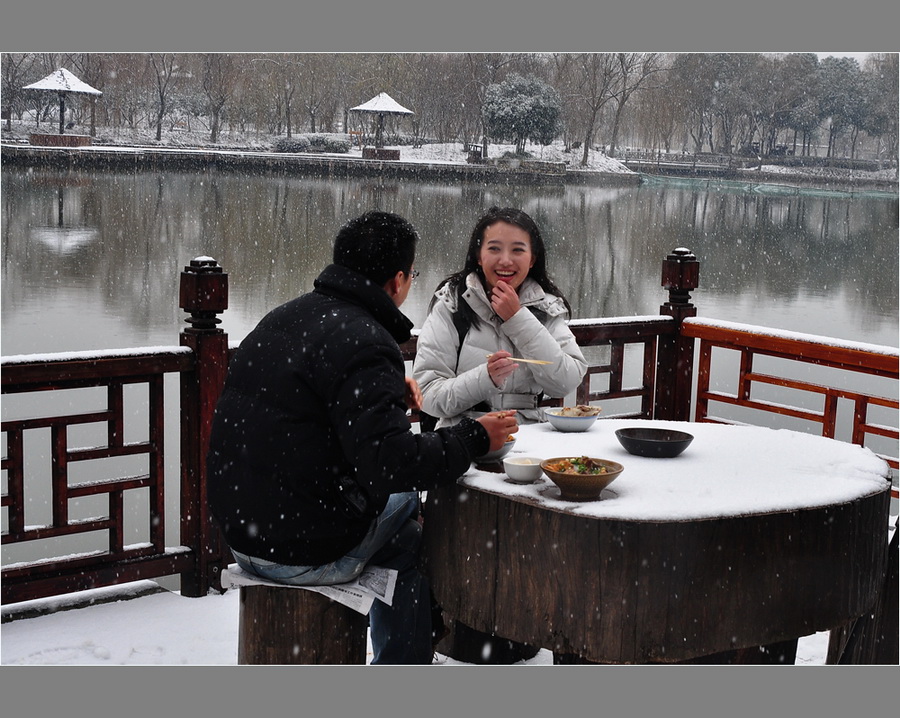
x: 449, y: 391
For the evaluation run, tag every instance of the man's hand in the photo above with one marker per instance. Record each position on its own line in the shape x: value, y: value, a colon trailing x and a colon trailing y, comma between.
x: 413, y: 395
x: 499, y: 425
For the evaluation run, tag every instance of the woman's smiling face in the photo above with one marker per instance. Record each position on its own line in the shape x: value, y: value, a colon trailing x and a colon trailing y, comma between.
x: 505, y: 255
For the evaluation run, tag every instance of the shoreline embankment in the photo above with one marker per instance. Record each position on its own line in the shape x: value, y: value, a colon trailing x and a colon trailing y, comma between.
x: 132, y: 158
x: 310, y: 164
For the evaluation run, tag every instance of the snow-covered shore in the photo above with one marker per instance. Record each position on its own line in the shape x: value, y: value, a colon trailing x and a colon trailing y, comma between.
x: 449, y: 153
x: 435, y: 153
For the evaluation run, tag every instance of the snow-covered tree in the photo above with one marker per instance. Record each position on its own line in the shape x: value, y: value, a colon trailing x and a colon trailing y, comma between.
x: 522, y: 108
x: 841, y: 98
x: 882, y: 87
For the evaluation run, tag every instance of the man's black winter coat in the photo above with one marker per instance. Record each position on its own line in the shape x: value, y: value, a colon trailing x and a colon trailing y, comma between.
x: 311, y: 435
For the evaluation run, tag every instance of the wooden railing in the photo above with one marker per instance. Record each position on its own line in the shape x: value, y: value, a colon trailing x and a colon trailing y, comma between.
x: 774, y: 358
x: 111, y: 380
x: 694, y: 159
x: 639, y: 367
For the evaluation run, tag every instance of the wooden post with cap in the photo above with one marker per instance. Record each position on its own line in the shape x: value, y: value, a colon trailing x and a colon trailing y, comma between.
x: 675, y: 355
x: 203, y: 293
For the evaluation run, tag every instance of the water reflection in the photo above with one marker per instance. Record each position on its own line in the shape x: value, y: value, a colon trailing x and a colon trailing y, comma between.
x: 101, y: 269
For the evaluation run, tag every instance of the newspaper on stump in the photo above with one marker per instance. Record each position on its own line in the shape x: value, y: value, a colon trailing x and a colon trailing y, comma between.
x: 374, y: 582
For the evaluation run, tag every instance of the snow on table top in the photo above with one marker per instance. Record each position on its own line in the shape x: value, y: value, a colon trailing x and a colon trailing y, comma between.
x: 726, y: 471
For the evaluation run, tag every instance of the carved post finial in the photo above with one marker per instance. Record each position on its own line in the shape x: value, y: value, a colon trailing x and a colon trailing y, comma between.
x: 203, y: 293
x: 680, y: 275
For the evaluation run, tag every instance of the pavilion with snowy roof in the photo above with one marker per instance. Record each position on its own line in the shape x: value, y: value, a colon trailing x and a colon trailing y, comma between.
x: 63, y: 83
x: 382, y: 104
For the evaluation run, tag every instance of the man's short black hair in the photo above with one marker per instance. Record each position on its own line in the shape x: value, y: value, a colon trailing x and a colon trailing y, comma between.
x: 377, y: 245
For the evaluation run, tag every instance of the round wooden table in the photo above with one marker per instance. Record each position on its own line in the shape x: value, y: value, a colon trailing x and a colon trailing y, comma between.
x: 753, y: 537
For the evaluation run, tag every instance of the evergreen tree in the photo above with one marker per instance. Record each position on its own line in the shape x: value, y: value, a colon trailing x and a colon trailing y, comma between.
x: 522, y: 108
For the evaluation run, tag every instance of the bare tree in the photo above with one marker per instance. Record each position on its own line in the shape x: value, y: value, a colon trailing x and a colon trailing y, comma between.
x: 92, y: 68
x: 424, y: 88
x: 632, y: 72
x: 126, y: 96
x: 16, y: 68
x: 593, y: 85
x: 313, y: 74
x: 278, y: 71
x: 693, y: 82
x: 163, y: 66
x: 657, y: 114
x: 217, y: 81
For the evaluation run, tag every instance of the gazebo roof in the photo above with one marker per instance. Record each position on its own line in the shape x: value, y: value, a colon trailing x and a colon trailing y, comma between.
x: 62, y: 80
x: 383, y: 104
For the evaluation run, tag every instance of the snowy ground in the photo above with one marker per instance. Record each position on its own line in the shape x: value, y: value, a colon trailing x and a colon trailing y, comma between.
x: 449, y: 152
x: 831, y: 172
x: 169, y: 629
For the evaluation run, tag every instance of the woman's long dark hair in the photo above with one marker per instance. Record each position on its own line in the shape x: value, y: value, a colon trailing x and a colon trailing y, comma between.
x: 538, y: 271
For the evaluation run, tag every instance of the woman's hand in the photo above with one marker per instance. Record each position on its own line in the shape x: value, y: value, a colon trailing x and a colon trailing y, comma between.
x: 505, y: 301
x: 413, y: 395
x: 499, y: 367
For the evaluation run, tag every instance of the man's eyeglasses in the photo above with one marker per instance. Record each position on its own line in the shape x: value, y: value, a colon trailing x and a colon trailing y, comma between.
x: 413, y: 273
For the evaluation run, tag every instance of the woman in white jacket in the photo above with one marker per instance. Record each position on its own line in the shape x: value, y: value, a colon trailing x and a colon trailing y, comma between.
x: 501, y: 304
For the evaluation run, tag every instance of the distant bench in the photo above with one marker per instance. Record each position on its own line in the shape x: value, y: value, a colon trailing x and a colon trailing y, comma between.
x: 380, y: 153
x: 42, y: 140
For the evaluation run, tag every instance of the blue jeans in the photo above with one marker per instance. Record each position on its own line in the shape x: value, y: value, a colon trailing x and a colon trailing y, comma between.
x: 401, y: 632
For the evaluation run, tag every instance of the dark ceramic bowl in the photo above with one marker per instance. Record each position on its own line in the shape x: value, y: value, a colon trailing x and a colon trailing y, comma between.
x: 662, y: 443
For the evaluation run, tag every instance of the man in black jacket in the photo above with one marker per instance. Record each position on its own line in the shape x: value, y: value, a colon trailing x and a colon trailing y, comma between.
x: 313, y: 467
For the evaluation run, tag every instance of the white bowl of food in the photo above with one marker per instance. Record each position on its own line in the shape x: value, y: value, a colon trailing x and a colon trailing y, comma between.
x: 572, y: 418
x: 522, y: 469
x: 495, y: 456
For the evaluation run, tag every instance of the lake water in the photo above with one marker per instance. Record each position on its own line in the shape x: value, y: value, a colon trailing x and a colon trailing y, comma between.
x: 92, y: 261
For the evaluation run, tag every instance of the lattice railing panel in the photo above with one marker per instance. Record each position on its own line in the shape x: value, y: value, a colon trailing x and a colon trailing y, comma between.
x: 64, y: 458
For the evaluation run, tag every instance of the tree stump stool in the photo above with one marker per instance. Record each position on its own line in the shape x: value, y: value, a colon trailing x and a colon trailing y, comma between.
x: 284, y: 625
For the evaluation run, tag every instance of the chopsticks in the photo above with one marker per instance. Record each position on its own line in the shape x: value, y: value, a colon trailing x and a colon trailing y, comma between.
x: 526, y: 361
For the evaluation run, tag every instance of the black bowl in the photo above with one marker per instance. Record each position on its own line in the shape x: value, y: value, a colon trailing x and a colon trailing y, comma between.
x: 664, y: 443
